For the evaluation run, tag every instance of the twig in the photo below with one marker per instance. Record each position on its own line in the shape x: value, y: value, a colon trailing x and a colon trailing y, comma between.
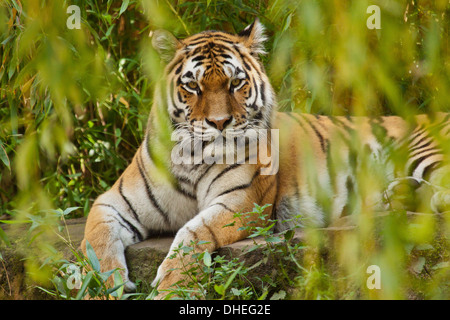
x: 7, y: 277
x: 179, y: 18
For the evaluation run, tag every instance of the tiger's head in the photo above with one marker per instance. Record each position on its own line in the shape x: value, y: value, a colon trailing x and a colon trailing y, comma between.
x: 215, y: 81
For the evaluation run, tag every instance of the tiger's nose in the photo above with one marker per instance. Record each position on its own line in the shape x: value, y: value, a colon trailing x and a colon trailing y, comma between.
x: 219, y: 123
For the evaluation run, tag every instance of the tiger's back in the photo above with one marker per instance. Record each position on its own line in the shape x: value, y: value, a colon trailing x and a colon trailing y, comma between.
x: 324, y: 159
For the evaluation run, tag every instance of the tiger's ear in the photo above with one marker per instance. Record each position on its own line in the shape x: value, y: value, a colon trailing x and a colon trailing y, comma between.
x: 253, y: 37
x: 165, y: 44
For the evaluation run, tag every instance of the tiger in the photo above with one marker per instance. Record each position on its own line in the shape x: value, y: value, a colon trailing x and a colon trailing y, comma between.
x: 214, y: 83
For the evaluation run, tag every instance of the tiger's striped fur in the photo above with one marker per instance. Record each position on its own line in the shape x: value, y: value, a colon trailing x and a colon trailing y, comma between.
x: 214, y: 83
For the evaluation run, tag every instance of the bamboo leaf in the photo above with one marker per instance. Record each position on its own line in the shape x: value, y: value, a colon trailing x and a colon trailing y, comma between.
x: 124, y: 6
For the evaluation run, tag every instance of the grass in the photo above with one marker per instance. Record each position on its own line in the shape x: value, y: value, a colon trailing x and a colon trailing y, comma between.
x: 74, y: 106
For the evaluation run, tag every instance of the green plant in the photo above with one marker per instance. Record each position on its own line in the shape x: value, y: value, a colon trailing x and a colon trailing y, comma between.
x: 83, y: 279
x: 210, y: 277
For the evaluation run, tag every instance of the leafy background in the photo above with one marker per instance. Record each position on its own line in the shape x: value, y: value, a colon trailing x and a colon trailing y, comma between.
x: 74, y: 103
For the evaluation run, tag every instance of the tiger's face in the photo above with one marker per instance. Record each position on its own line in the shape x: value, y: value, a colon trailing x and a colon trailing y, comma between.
x: 215, y: 82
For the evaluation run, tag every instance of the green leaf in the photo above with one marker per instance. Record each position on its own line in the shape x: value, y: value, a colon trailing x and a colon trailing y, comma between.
x: 207, y: 259
x: 231, y: 278
x: 105, y: 275
x: 424, y: 246
x: 124, y: 6
x: 117, y: 291
x: 187, y: 249
x: 230, y: 224
x: 219, y: 289
x: 441, y: 265
x: 278, y: 295
x: 419, y: 264
x: 108, y: 32
x: 4, y: 237
x: 92, y: 257
x: 4, y: 156
x: 289, y: 235
x: 273, y: 239
x: 16, y: 221
x: 69, y: 210
x: 236, y: 292
x: 87, y: 279
x: 287, y: 23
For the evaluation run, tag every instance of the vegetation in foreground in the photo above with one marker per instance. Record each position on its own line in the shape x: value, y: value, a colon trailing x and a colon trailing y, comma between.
x: 74, y: 104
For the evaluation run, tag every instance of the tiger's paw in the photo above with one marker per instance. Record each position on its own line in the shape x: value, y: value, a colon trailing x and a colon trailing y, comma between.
x: 167, y: 275
x: 129, y: 286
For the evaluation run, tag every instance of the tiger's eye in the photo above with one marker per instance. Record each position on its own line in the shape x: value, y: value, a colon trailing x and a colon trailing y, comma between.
x: 193, y: 85
x: 235, y: 82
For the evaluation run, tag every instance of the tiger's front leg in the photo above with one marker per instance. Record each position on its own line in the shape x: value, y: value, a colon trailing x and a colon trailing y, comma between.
x: 216, y: 226
x: 129, y: 213
x: 208, y: 227
x: 107, y: 235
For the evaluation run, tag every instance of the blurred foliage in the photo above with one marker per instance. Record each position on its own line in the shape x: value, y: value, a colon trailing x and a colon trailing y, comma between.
x: 74, y: 103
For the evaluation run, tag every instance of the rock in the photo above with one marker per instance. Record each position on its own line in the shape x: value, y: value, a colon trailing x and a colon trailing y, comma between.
x: 144, y: 258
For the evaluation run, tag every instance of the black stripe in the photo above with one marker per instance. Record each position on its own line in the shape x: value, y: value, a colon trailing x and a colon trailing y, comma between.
x: 346, y: 126
x: 184, y: 179
x: 289, y: 114
x: 274, y: 209
x: 255, y: 87
x: 174, y: 64
x: 185, y: 193
x: 420, y: 130
x: 421, y: 146
x: 418, y: 161
x: 263, y: 95
x: 378, y: 130
x: 421, y: 150
x: 127, y: 201
x: 225, y: 56
x: 227, y: 62
x: 222, y: 205
x: 202, y: 176
x: 249, y: 60
x: 198, y: 64
x: 129, y: 226
x: 197, y: 42
x: 246, y: 66
x: 429, y: 170
x: 198, y: 58
x: 150, y: 194
x: 240, y: 187
x: 215, y: 241
x: 264, y: 194
x: 188, y: 74
x: 231, y: 167
x: 421, y: 140
x: 322, y: 140
x: 195, y: 236
x: 180, y: 98
x: 180, y: 67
